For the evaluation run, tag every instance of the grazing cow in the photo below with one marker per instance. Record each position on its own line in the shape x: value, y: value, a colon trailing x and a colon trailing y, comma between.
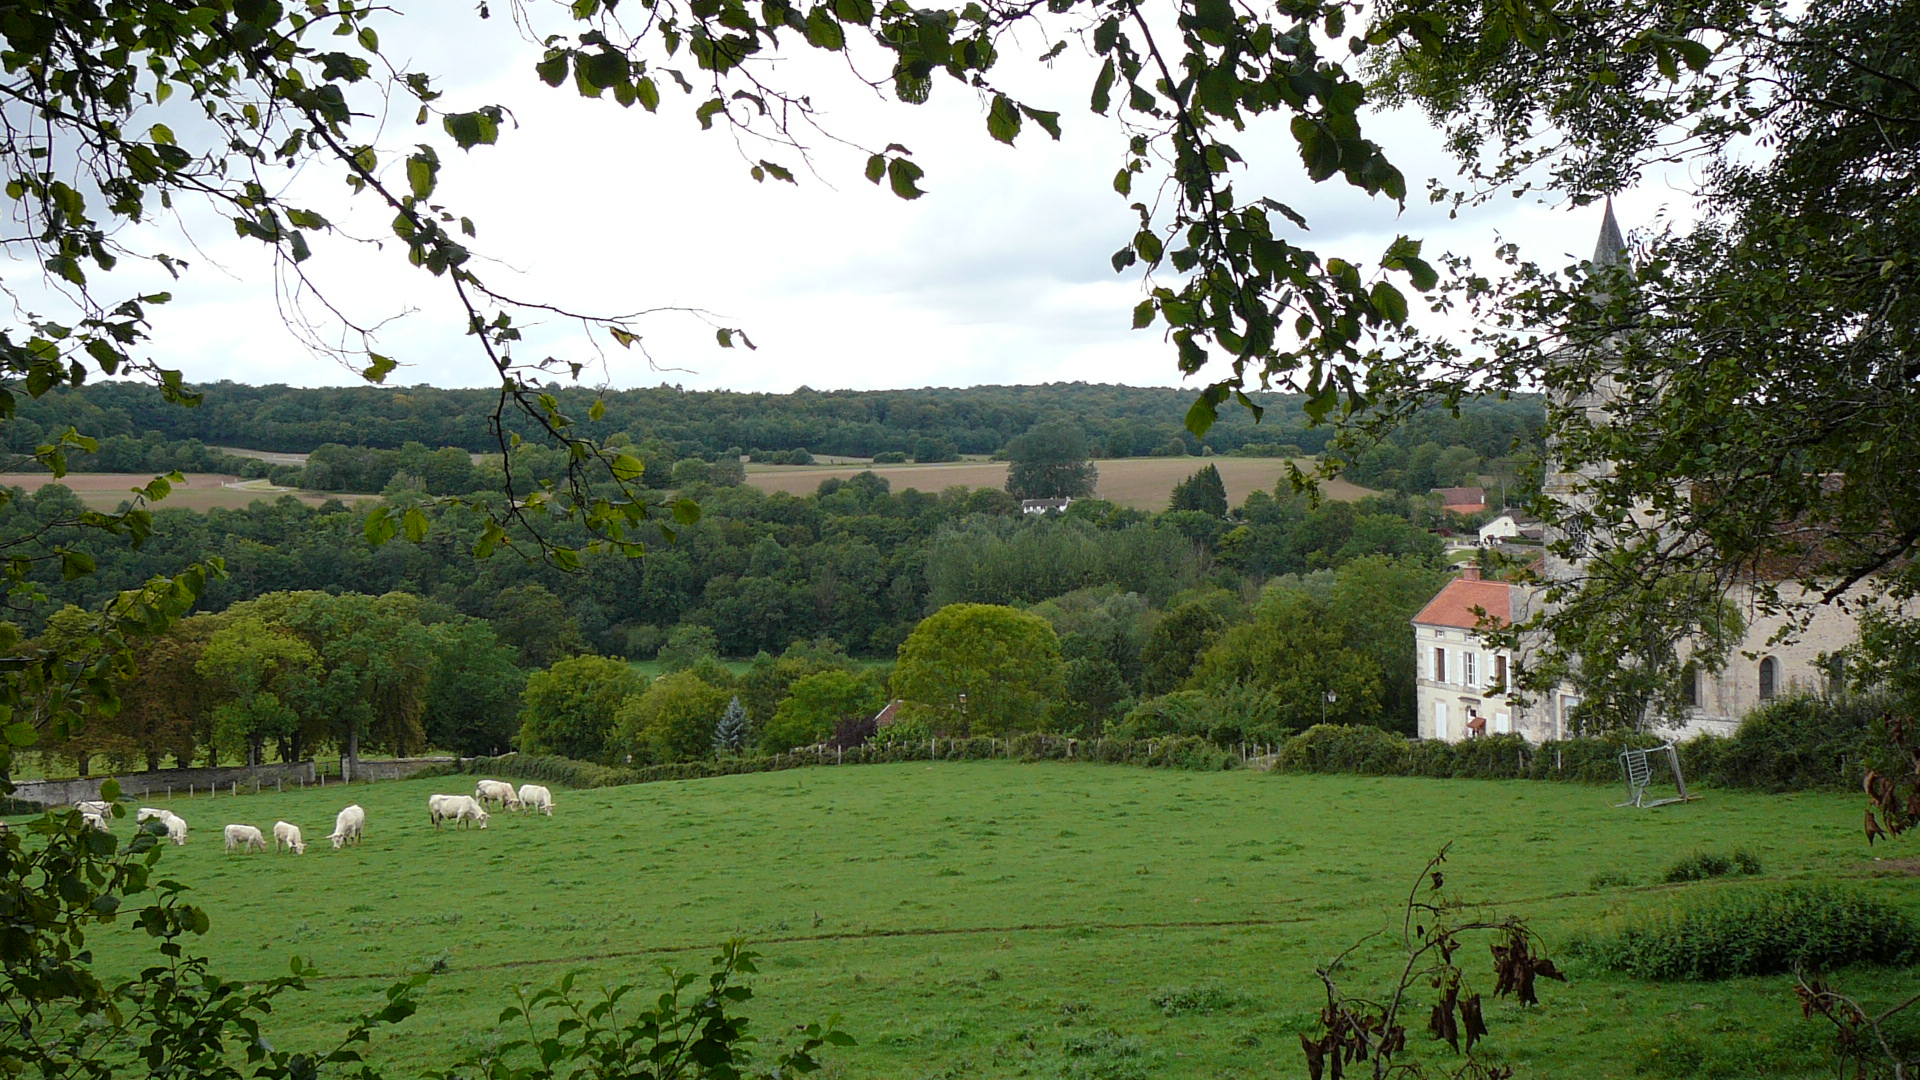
x: 98, y: 821
x: 459, y: 809
x: 535, y: 797
x: 96, y: 807
x: 347, y: 826
x: 491, y: 791
x: 177, y: 829
x: 289, y: 835
x: 245, y: 838
x: 148, y: 812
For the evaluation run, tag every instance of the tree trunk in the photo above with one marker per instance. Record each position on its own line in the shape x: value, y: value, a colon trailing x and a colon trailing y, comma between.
x: 352, y: 761
x: 153, y: 761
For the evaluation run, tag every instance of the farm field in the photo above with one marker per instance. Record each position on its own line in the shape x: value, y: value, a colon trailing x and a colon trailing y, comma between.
x: 202, y: 491
x: 999, y: 919
x: 1142, y: 483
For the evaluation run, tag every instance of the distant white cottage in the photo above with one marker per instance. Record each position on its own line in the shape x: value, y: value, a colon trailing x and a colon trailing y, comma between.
x: 1045, y: 506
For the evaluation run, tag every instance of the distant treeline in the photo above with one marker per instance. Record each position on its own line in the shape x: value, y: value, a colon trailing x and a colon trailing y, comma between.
x: 930, y: 424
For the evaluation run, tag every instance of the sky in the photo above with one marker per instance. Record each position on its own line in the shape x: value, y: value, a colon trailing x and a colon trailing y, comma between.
x: 999, y: 274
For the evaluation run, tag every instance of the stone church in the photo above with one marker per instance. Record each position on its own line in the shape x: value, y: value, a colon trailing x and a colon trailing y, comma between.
x: 1461, y: 679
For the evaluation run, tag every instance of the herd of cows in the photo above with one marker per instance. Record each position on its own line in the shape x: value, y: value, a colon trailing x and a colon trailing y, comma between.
x: 467, y: 810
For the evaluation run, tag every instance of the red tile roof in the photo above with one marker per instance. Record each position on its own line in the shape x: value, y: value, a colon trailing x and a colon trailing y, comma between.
x: 1463, y: 496
x: 1456, y: 603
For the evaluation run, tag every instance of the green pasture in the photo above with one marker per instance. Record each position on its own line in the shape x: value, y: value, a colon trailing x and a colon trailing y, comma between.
x: 1000, y: 919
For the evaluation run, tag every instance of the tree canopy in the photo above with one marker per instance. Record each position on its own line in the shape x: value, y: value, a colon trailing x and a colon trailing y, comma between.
x: 1051, y: 461
x: 979, y: 669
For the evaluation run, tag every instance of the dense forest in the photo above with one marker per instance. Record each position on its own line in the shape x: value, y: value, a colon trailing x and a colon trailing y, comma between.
x: 927, y: 424
x: 1226, y: 622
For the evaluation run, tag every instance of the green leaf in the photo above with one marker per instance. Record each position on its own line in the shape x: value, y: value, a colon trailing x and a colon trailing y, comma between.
x: 379, y: 527
x: 75, y: 565
x: 627, y: 467
x: 415, y: 522
x: 823, y: 30
x: 876, y: 167
x: 1048, y: 121
x: 19, y: 734
x: 421, y: 170
x: 471, y: 129
x: 377, y: 371
x: 1003, y: 119
x: 110, y: 790
x: 1389, y: 302
x: 647, y: 93
x: 708, y: 111
x: 553, y: 69
x: 902, y: 175
x: 1103, y: 88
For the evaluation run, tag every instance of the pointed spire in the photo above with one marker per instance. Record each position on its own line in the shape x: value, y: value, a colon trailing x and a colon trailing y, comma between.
x: 1611, y: 250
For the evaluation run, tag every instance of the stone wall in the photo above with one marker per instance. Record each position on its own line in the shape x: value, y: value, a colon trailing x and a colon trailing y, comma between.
x: 177, y: 781
x: 244, y: 777
x: 395, y: 768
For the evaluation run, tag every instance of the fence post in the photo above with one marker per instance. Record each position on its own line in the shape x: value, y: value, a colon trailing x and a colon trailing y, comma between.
x: 234, y: 787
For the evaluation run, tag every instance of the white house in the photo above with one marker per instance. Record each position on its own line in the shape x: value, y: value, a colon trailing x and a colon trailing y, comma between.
x: 1045, y: 506
x: 1461, y: 680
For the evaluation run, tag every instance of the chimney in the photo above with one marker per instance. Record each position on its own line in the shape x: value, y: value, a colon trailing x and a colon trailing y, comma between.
x: 1470, y: 572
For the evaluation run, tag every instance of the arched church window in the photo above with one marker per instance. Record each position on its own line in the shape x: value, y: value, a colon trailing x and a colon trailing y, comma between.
x: 1769, y: 678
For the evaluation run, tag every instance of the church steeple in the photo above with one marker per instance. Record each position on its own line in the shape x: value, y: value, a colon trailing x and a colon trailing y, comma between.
x: 1611, y: 249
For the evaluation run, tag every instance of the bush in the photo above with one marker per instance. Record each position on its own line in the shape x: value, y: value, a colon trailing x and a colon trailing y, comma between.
x: 1702, y: 865
x: 1795, y: 744
x: 1610, y: 879
x: 1327, y: 748
x: 890, y: 457
x: 1204, y: 999
x: 1756, y: 931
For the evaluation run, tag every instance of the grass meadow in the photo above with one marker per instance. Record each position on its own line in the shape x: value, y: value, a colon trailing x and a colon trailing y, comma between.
x: 999, y: 919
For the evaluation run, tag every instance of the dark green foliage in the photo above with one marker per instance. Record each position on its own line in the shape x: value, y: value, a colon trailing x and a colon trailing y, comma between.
x: 1122, y: 421
x: 1236, y: 715
x: 1755, y: 931
x: 1357, y: 748
x: 1797, y: 743
x: 1101, y: 1055
x: 1176, y: 643
x: 1203, y: 492
x: 1702, y: 865
x: 1050, y: 461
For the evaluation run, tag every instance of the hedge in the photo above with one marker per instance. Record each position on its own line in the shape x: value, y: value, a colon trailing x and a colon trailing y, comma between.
x: 1794, y: 743
x: 1191, y: 754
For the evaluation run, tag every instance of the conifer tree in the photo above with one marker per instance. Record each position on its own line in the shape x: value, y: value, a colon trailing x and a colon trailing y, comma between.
x: 730, y: 734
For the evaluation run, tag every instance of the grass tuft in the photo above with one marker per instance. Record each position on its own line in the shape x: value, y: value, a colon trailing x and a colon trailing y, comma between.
x: 1756, y: 931
x: 1702, y: 865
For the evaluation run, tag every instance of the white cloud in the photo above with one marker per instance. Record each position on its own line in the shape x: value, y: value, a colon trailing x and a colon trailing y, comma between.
x: 999, y: 274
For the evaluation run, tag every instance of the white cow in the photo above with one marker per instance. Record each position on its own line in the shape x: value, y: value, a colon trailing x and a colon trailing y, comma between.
x: 147, y: 813
x: 95, y: 807
x: 245, y: 838
x: 492, y: 791
x: 283, y: 833
x: 177, y: 830
x: 98, y: 821
x: 455, y: 808
x: 348, y: 825
x: 535, y: 797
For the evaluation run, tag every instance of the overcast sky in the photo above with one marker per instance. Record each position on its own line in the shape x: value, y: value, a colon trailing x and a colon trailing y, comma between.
x: 999, y: 274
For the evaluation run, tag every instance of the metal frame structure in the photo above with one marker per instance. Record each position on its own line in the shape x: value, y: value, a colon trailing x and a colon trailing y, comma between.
x: 1638, y: 768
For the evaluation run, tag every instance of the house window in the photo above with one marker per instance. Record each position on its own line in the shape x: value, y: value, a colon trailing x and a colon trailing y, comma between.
x: 1469, y: 667
x: 1769, y: 678
x: 1500, y: 672
x: 1440, y: 665
x: 1690, y: 687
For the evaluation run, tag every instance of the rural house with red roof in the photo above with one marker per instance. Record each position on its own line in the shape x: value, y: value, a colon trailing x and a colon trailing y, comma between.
x: 1460, y: 681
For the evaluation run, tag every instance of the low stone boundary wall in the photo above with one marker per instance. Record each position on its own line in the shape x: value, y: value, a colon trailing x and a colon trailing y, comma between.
x: 396, y: 768
x: 177, y: 781
x: 237, y: 779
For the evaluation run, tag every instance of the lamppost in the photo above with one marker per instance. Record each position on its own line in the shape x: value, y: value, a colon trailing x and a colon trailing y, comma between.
x: 1329, y: 699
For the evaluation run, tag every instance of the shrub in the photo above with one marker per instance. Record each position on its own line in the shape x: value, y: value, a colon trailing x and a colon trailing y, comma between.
x: 1610, y: 879
x: 1756, y: 931
x: 1346, y: 748
x: 1797, y: 743
x: 1205, y: 999
x: 1102, y: 1055
x: 1702, y: 865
